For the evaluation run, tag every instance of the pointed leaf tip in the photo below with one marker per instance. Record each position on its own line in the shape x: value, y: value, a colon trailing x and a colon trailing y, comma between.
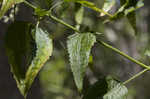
x: 25, y: 49
x: 43, y: 52
x: 79, y: 47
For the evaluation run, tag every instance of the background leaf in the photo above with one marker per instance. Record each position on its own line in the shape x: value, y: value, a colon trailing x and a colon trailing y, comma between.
x: 128, y: 8
x: 132, y: 19
x: 131, y: 15
x: 79, y: 46
x: 79, y: 15
x: 108, y: 4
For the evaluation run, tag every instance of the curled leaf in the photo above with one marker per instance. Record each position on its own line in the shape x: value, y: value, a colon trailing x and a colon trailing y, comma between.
x: 26, y: 52
x: 43, y: 52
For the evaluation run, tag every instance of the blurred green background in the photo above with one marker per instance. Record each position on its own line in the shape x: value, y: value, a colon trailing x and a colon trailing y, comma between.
x: 55, y: 80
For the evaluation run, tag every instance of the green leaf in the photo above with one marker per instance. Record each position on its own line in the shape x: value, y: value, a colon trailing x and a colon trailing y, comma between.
x: 27, y: 52
x: 131, y: 14
x: 44, y: 50
x: 147, y: 52
x: 132, y: 20
x: 115, y: 90
x: 17, y: 43
x: 128, y: 8
x: 108, y: 4
x: 6, y: 5
x: 79, y: 46
x: 97, y: 90
x: 106, y: 88
x: 79, y: 14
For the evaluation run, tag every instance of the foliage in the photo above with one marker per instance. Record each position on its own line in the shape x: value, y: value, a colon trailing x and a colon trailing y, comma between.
x: 36, y: 54
x: 79, y: 46
x: 29, y: 46
x: 106, y: 88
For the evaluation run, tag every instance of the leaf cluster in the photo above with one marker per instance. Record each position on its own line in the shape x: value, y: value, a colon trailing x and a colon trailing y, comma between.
x: 28, y: 46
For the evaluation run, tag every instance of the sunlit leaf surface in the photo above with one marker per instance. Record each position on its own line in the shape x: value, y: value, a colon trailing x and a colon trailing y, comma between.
x: 79, y: 47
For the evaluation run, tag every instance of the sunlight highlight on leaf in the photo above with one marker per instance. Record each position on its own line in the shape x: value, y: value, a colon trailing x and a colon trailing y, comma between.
x: 79, y: 47
x: 43, y: 52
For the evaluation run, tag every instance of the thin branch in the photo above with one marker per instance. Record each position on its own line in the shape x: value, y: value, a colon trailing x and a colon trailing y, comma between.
x: 53, y: 17
x: 101, y: 42
x: 64, y: 23
x: 29, y: 4
x: 135, y: 76
x: 95, y: 9
x: 124, y: 55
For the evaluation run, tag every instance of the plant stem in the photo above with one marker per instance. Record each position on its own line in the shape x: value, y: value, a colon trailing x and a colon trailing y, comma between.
x: 101, y: 42
x: 55, y: 18
x: 64, y: 23
x: 124, y: 55
x: 29, y: 4
x: 95, y: 8
x: 135, y: 76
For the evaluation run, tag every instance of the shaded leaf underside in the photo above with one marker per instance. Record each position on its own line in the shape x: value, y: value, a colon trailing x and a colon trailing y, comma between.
x: 22, y: 54
x: 106, y: 88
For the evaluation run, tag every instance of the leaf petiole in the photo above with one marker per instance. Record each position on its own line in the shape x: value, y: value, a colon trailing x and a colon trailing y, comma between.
x: 29, y: 4
x: 123, y: 54
x: 135, y: 76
